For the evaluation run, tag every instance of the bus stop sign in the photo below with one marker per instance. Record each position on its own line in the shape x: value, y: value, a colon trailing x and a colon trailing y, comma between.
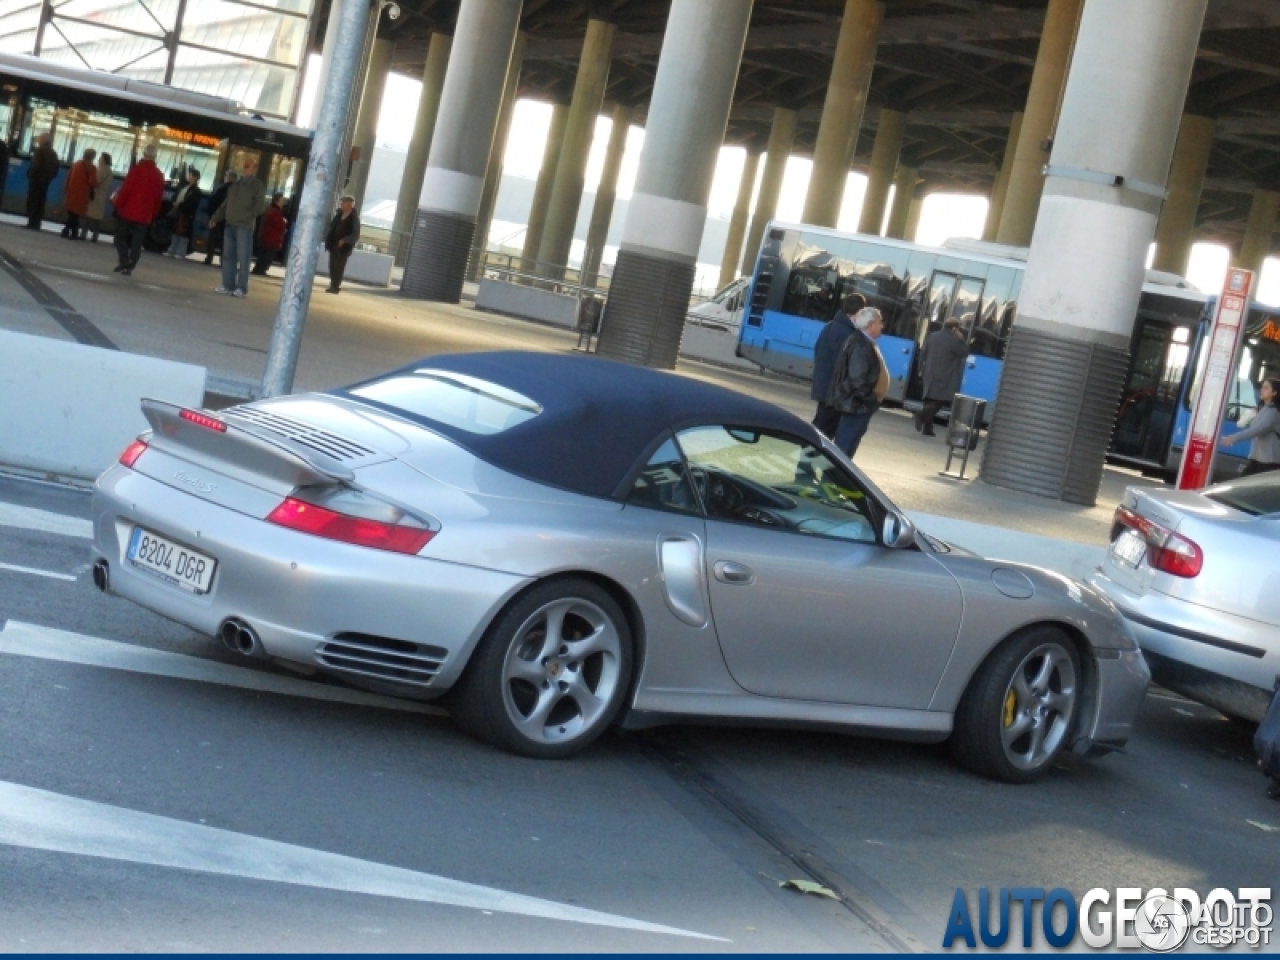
x: 1222, y: 352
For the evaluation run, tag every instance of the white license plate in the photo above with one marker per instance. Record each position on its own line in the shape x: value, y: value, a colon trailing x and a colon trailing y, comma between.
x: 171, y: 561
x: 1129, y: 548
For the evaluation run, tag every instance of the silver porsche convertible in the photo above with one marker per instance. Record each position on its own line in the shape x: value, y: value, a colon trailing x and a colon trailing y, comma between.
x: 554, y: 544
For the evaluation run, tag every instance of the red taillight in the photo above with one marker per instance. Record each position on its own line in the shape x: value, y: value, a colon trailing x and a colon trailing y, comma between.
x: 132, y: 452
x: 1167, y: 551
x: 321, y: 522
x: 203, y: 420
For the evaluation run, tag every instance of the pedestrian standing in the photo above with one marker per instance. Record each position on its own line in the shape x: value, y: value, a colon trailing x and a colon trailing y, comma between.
x: 1263, y: 432
x: 42, y: 172
x: 216, y: 199
x: 340, y: 241
x: 246, y: 201
x: 860, y: 381
x: 825, y: 353
x: 97, y: 209
x: 82, y: 179
x: 942, y: 366
x: 137, y: 203
x: 271, y: 235
x: 183, y: 214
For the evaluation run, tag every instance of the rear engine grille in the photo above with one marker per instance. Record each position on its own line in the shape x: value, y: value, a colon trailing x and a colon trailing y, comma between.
x: 330, y: 444
x: 382, y: 658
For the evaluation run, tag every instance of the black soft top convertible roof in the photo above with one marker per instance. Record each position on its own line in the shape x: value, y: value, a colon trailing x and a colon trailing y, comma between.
x: 598, y: 416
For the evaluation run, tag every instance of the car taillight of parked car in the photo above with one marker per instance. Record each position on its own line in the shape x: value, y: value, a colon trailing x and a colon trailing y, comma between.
x: 132, y: 452
x: 1167, y: 551
x: 349, y: 516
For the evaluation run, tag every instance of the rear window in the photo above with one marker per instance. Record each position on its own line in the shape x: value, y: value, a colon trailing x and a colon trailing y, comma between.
x: 1257, y: 496
x: 454, y: 399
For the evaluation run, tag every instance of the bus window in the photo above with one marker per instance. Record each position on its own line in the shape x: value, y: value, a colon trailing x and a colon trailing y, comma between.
x: 283, y: 175
x: 813, y: 286
x: 42, y: 117
x: 967, y: 302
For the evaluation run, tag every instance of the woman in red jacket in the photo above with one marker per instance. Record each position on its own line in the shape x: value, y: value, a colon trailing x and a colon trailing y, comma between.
x: 271, y: 235
x: 137, y: 203
x: 82, y: 178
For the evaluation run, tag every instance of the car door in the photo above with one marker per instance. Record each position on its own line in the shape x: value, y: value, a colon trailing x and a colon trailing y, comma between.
x: 806, y: 602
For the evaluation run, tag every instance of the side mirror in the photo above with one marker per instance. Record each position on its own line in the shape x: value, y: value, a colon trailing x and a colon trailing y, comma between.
x: 898, y: 532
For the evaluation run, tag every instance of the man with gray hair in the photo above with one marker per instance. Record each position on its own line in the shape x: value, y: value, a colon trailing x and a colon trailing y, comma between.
x: 246, y: 201
x: 860, y: 381
x: 137, y: 204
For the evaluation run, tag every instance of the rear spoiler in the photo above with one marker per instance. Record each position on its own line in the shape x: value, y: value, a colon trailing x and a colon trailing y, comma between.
x: 224, y: 443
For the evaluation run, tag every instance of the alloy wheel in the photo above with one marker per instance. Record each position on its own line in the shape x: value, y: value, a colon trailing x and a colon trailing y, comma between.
x: 1038, y: 706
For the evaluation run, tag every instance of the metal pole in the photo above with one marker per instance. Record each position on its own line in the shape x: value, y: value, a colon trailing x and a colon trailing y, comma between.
x: 174, y: 40
x: 46, y: 14
x: 317, y: 193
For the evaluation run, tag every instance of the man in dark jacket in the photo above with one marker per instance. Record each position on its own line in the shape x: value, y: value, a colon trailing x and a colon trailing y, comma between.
x: 825, y: 353
x: 860, y: 381
x: 942, y: 364
x: 42, y: 172
x: 340, y: 241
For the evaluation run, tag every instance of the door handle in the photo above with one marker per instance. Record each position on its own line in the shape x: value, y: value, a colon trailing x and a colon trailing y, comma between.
x: 727, y: 571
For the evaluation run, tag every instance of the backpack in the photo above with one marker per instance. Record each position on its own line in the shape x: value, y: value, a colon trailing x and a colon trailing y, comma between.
x: 1266, y: 743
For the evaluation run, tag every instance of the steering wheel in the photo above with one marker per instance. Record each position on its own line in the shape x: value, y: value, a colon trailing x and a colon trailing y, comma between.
x: 719, y: 494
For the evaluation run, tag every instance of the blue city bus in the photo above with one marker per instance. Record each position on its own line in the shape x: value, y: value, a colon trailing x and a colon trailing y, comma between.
x: 803, y: 272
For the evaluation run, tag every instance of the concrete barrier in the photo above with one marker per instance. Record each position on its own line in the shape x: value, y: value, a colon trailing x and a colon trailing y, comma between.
x: 363, y: 266
x: 67, y: 410
x: 528, y: 303
x: 714, y: 344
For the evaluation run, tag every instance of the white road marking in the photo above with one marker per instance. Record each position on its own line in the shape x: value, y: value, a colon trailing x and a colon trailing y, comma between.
x: 14, y: 568
x: 28, y: 640
x: 41, y: 820
x: 45, y: 521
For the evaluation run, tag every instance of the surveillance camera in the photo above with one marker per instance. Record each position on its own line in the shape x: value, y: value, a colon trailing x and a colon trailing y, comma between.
x: 393, y: 11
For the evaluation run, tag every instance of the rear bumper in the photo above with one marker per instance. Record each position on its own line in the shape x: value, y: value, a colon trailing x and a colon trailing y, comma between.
x: 295, y: 590
x: 1209, y: 641
x: 1123, y: 678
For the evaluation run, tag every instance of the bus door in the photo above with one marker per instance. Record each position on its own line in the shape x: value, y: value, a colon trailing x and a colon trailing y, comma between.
x: 958, y: 297
x: 1145, y: 421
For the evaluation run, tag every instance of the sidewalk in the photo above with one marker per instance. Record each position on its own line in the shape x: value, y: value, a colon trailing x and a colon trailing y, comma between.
x: 168, y: 309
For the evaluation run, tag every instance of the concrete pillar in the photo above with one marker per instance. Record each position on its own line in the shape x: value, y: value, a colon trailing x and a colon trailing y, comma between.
x: 1069, y: 349
x: 738, y: 221
x: 424, y: 125
x: 884, y: 164
x: 460, y: 148
x: 1175, y: 230
x: 688, y: 112
x: 579, y: 129
x: 493, y: 175
x: 904, y: 194
x: 781, y: 137
x: 366, y: 130
x: 602, y: 211
x: 842, y: 110
x: 1001, y: 186
x: 913, y: 218
x: 544, y: 186
x: 1256, y: 246
x: 1026, y: 178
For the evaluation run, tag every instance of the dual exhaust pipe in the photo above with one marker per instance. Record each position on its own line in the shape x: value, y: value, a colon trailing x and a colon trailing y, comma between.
x: 238, y: 637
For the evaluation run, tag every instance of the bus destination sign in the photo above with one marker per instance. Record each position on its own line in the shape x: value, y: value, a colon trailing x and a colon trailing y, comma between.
x: 1223, y: 348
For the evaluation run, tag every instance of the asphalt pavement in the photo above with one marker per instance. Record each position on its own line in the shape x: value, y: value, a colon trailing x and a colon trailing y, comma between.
x: 160, y: 793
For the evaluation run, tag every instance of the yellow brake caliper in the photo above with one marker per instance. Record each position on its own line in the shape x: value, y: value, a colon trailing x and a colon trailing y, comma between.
x: 1010, y: 708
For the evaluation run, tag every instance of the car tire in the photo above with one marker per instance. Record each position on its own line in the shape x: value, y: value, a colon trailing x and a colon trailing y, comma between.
x: 1018, y: 712
x: 551, y: 672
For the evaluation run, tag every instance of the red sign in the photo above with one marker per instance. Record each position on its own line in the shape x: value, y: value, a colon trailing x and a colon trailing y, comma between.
x: 1221, y: 357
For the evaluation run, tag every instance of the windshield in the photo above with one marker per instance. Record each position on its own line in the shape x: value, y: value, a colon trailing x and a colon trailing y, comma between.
x: 1257, y: 496
x: 467, y: 403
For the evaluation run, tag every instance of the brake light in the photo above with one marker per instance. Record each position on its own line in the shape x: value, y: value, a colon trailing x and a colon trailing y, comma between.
x: 203, y: 420
x: 132, y: 452
x: 1167, y: 551
x: 320, y: 521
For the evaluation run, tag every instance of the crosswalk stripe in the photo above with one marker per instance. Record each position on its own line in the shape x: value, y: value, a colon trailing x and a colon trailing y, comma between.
x: 41, y: 820
x: 29, y: 640
x: 14, y: 568
x: 44, y: 521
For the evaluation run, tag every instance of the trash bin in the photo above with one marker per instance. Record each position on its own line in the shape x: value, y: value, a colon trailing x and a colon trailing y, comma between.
x: 963, y: 431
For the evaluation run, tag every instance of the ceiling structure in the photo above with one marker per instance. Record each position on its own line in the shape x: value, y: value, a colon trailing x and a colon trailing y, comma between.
x: 959, y: 68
